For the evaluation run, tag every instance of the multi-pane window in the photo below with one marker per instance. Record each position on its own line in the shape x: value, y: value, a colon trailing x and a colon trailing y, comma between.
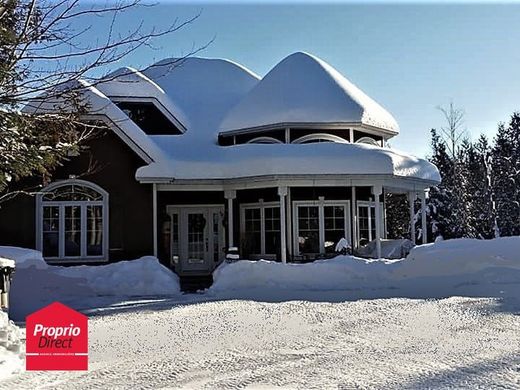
x: 334, y: 226
x: 367, y: 222
x: 73, y: 221
x: 261, y: 228
x: 272, y: 229
x: 308, y: 229
x: 320, y: 225
x: 253, y: 230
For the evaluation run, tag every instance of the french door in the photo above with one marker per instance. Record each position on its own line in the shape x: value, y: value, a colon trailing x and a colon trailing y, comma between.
x: 197, y: 237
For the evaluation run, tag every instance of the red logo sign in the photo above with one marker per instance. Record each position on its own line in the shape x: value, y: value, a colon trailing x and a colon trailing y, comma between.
x: 57, y: 339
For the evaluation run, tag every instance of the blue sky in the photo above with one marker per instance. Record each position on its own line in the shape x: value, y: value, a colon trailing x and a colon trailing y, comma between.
x: 409, y: 57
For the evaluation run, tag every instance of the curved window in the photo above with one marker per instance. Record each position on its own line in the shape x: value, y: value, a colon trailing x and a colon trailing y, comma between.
x: 264, y: 140
x: 319, y: 137
x: 368, y: 141
x: 73, y: 221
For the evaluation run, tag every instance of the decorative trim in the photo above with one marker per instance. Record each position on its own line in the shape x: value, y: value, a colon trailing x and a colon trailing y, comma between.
x: 40, y: 204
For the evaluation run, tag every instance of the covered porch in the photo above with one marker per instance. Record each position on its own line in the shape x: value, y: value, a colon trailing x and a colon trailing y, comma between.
x: 288, y: 219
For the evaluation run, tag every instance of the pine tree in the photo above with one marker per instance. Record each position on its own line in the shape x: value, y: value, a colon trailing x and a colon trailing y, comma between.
x: 441, y: 197
x: 397, y: 215
x: 478, y: 190
x: 506, y: 176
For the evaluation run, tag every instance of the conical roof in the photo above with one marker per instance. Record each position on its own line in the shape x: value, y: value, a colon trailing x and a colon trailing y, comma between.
x: 303, y: 89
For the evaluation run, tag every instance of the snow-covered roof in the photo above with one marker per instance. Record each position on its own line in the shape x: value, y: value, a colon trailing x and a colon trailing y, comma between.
x: 128, y: 84
x: 205, y: 89
x: 100, y: 105
x: 252, y: 160
x: 305, y: 89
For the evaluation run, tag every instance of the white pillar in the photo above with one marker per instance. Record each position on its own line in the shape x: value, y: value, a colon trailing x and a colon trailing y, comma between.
x: 282, y: 192
x: 289, y: 222
x: 377, y: 190
x: 353, y: 208
x: 230, y: 195
x: 424, y: 234
x: 154, y: 211
x: 411, y: 201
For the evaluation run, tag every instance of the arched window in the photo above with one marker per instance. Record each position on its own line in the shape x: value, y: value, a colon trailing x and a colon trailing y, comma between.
x: 73, y: 221
x: 319, y: 137
x: 368, y: 141
x: 264, y: 140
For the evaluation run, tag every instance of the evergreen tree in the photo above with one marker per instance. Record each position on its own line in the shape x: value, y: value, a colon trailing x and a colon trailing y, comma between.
x: 441, y: 196
x: 505, y: 166
x: 397, y: 215
x: 478, y: 190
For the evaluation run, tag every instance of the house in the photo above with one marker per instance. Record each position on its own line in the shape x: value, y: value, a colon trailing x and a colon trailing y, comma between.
x: 207, y: 155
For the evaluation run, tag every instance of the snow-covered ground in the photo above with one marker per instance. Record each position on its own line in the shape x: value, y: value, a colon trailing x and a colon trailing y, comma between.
x: 446, y: 316
x: 384, y: 343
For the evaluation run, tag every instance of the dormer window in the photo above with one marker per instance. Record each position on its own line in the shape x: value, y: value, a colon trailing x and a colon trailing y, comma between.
x: 149, y: 118
x: 319, y: 137
x: 368, y: 141
x: 264, y: 140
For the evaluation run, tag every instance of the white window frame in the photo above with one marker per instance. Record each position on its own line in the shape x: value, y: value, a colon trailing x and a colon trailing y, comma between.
x: 321, y: 203
x: 262, y: 206
x: 371, y: 204
x: 368, y: 141
x: 264, y: 140
x: 41, y: 203
x: 320, y: 136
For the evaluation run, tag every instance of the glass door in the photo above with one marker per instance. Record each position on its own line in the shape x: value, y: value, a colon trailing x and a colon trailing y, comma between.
x: 197, y: 237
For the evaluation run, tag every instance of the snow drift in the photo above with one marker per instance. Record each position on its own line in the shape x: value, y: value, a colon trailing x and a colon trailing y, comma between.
x: 455, y: 267
x: 36, y: 284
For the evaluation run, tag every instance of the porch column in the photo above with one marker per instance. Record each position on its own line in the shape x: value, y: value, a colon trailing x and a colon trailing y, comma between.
x: 154, y: 211
x: 411, y: 200
x: 230, y: 195
x: 424, y: 234
x: 377, y: 190
x: 282, y: 192
x: 353, y: 208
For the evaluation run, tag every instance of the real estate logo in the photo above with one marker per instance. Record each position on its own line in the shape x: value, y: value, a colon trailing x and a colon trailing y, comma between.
x: 57, y: 339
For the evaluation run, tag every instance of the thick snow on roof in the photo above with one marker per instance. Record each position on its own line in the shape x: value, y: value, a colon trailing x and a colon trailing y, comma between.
x: 130, y: 84
x: 99, y: 104
x: 305, y: 89
x: 284, y: 159
x: 205, y: 89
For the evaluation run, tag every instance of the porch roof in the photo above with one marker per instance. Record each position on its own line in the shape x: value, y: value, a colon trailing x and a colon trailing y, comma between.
x: 257, y: 160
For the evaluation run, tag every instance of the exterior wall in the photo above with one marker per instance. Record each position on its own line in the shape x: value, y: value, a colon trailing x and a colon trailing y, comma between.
x: 130, y: 203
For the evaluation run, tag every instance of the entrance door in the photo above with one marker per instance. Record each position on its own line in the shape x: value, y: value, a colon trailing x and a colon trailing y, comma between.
x: 197, y: 238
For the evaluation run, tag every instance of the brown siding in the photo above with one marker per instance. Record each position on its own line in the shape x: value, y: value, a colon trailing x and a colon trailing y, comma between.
x: 130, y: 203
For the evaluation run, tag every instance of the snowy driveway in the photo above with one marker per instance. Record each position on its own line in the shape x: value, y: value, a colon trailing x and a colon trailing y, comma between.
x: 384, y: 343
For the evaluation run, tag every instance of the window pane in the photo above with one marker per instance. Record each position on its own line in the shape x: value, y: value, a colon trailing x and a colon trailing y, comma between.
x: 94, y: 230
x: 252, y: 234
x: 334, y: 226
x: 51, y: 231
x: 73, y: 192
x: 216, y: 224
x: 272, y: 230
x: 308, y: 229
x: 175, y: 235
x: 72, y: 230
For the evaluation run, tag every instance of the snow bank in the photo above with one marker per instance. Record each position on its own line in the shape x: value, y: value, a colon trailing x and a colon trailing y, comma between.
x: 461, y: 256
x: 142, y: 277
x: 11, y: 359
x: 340, y: 273
x: 36, y: 284
x: 24, y: 258
x: 457, y: 267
